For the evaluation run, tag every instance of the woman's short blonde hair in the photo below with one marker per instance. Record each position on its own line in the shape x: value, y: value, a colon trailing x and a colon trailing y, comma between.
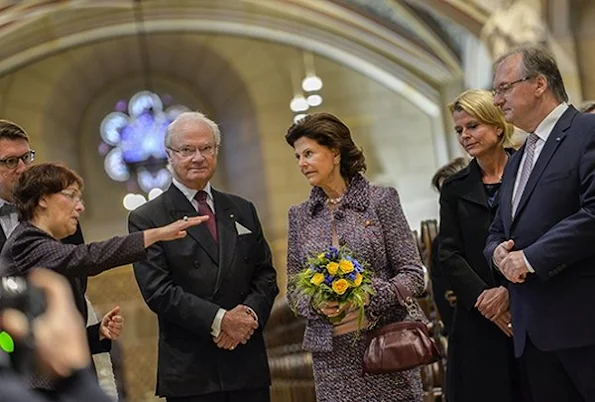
x: 479, y: 104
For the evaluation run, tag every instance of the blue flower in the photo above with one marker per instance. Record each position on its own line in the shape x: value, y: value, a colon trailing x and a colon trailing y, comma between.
x: 315, y: 268
x: 352, y: 275
x: 357, y: 266
x: 328, y: 280
x: 332, y: 253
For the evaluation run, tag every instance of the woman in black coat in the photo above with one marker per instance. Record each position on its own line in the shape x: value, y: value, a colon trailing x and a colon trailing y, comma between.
x: 481, y: 363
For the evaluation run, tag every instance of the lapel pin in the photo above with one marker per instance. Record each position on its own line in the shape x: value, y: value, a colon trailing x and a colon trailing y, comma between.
x: 231, y: 216
x: 558, y: 139
x: 185, y: 217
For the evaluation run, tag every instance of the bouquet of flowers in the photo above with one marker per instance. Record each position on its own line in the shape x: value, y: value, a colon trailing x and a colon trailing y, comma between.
x: 335, y: 275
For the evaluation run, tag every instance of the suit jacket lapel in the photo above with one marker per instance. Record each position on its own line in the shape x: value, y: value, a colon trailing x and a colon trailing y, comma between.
x: 507, y: 188
x: 2, y: 238
x: 180, y: 207
x: 472, y: 189
x: 226, y: 218
x: 554, y: 140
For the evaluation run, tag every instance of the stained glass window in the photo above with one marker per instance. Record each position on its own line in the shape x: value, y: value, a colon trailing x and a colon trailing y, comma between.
x: 132, y: 140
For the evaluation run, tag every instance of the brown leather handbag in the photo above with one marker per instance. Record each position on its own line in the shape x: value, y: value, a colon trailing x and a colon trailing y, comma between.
x: 401, y: 345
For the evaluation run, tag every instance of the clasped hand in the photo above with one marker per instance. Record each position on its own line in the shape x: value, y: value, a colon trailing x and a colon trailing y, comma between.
x: 237, y: 326
x: 493, y: 305
x: 511, y: 263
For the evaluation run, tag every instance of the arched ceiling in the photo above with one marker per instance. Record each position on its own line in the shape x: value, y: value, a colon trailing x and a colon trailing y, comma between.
x: 396, y: 42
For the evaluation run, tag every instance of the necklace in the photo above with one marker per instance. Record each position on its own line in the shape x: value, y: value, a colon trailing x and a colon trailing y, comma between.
x: 334, y: 201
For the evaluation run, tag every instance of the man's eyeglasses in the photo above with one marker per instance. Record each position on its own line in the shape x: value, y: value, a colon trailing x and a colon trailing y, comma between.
x: 13, y: 161
x: 187, y: 152
x: 507, y: 86
x: 73, y: 196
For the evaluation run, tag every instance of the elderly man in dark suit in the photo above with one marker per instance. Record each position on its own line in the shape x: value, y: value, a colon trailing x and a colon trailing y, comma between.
x: 212, y: 291
x: 543, y: 236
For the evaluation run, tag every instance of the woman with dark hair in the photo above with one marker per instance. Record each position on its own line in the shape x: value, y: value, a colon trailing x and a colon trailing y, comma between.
x: 48, y: 197
x: 481, y: 363
x: 345, y: 209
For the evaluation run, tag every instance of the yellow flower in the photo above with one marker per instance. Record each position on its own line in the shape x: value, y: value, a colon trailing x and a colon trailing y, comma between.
x: 332, y: 268
x: 358, y: 280
x: 340, y: 286
x: 317, y: 279
x: 346, y: 266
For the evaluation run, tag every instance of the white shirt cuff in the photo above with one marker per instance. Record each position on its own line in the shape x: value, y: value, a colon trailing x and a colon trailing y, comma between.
x: 252, y: 313
x: 216, y: 325
x: 529, y: 267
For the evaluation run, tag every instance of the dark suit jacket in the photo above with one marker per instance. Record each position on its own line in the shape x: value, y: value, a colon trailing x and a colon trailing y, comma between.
x: 79, y: 288
x: 186, y: 281
x: 555, y: 227
x: 28, y: 247
x: 78, y: 284
x: 480, y: 356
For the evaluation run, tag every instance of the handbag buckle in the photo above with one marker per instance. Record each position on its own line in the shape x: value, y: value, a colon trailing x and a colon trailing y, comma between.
x: 412, y: 309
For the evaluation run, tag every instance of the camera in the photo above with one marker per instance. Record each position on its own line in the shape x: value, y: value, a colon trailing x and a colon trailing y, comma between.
x: 16, y: 293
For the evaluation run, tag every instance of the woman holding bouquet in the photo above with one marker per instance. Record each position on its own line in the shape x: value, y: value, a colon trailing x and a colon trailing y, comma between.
x: 345, y: 210
x: 481, y: 364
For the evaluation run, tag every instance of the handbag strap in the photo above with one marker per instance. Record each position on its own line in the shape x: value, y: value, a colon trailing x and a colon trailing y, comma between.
x: 406, y: 299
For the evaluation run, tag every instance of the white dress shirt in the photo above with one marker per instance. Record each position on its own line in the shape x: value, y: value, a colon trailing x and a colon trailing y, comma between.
x: 543, y: 132
x: 190, y: 194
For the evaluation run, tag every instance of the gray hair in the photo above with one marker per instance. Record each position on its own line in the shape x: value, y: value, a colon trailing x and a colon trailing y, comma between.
x: 537, y: 60
x: 188, y: 118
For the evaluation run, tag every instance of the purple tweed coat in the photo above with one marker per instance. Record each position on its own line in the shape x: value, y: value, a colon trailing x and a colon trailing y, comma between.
x: 369, y: 221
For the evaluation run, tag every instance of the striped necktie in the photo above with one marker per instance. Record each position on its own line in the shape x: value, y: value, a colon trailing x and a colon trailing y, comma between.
x: 527, y: 167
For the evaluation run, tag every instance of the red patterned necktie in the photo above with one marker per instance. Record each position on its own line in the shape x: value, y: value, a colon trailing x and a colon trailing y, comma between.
x: 205, y: 209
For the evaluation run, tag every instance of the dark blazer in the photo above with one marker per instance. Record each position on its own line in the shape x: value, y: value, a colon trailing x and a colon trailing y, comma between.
x: 186, y: 281
x: 78, y: 283
x: 29, y: 247
x: 79, y: 289
x: 480, y: 356
x: 555, y: 227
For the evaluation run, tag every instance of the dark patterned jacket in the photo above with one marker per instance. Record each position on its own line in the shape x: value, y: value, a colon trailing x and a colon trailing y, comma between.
x: 370, y: 222
x: 30, y: 247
